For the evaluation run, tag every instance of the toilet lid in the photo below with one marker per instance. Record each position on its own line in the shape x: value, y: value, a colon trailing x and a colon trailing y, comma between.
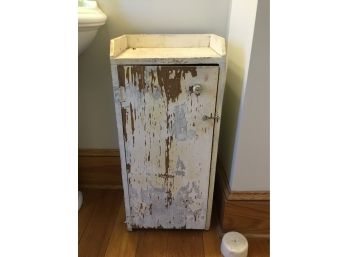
x: 90, y: 15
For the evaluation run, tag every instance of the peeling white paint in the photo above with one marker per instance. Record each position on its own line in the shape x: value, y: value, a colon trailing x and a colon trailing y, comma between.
x: 168, y: 151
x: 167, y: 144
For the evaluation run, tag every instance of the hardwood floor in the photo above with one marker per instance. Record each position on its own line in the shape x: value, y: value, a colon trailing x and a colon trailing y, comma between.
x: 102, y: 232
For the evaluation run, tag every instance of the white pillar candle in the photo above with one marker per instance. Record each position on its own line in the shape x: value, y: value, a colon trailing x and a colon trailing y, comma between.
x: 234, y: 244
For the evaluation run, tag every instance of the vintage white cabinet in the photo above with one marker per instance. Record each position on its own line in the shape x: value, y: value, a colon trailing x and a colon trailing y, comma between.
x: 168, y: 92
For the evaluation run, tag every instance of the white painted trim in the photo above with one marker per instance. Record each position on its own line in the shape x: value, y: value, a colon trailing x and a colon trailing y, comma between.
x: 241, y: 110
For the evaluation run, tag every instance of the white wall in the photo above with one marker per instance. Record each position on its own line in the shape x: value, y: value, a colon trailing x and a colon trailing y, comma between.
x: 97, y: 128
x: 251, y: 166
x: 244, y: 142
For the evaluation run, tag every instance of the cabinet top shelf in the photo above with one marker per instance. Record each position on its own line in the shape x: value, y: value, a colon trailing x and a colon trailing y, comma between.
x: 167, y: 46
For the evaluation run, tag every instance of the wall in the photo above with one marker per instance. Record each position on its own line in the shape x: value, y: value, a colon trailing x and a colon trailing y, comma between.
x: 244, y: 142
x: 247, y: 85
x: 97, y: 127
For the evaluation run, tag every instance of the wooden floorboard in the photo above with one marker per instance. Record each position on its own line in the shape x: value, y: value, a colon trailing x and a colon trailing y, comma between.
x: 91, y: 198
x: 102, y: 232
x: 152, y: 243
x: 112, y: 221
x: 122, y: 243
x: 258, y: 247
x: 187, y: 243
x: 94, y: 240
x: 211, y: 241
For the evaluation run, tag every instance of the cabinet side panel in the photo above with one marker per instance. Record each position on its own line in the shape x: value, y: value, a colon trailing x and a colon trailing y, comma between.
x: 218, y: 109
x: 116, y: 90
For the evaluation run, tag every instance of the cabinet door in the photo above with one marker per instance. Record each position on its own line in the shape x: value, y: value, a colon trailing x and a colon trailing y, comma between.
x: 167, y: 143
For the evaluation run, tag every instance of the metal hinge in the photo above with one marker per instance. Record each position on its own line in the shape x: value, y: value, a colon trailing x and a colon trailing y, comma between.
x: 211, y: 117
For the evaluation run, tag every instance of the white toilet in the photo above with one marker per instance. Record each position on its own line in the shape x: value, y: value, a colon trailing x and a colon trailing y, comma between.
x: 90, y: 20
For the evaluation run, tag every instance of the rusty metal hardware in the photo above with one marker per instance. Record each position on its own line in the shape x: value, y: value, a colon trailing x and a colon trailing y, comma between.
x: 206, y: 117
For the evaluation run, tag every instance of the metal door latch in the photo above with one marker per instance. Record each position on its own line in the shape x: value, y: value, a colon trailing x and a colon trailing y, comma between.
x: 206, y: 117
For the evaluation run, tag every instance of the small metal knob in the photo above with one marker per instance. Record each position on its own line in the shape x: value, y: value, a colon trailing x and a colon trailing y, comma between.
x: 206, y: 117
x: 196, y: 89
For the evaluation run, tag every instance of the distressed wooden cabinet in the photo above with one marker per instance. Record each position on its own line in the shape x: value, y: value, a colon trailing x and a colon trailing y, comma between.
x: 168, y: 92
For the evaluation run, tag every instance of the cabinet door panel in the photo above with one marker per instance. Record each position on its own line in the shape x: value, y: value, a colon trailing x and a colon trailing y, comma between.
x: 167, y: 143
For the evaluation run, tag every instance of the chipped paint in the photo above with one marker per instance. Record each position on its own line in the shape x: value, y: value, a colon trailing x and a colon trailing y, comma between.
x: 167, y: 144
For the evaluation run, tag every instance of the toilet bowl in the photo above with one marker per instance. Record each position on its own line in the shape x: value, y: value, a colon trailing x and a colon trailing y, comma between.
x: 90, y: 20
